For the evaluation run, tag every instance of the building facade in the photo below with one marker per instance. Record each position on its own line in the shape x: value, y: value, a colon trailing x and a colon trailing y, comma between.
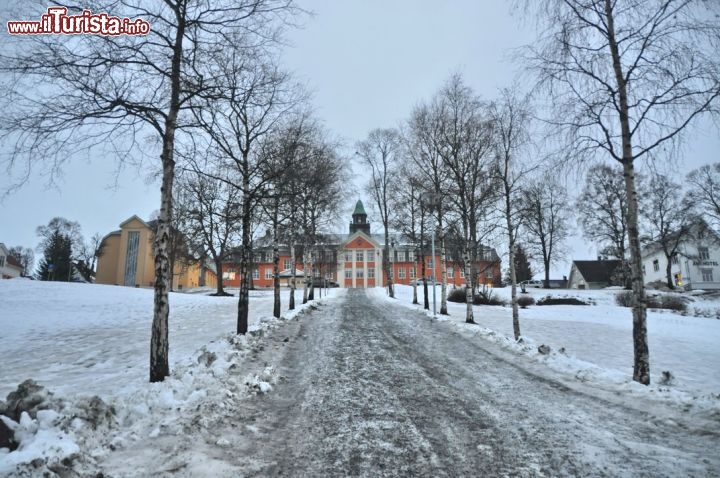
x: 127, y: 258
x: 696, y: 265
x: 9, y: 267
x: 355, y: 260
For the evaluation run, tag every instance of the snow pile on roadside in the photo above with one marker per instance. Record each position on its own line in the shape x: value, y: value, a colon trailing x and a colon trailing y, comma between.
x: 601, y: 333
x: 73, y: 432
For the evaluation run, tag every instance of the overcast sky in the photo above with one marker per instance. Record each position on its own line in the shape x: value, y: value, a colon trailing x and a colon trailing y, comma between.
x: 368, y: 62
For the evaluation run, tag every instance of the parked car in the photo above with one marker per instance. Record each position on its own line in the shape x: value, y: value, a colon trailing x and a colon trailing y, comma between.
x: 531, y: 283
x: 419, y: 282
x: 320, y: 282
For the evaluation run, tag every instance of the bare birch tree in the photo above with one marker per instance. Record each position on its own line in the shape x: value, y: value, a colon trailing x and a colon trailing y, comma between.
x: 422, y: 136
x: 627, y: 80
x: 106, y: 91
x: 704, y: 192
x: 667, y: 219
x: 602, y: 210
x: 546, y: 224
x: 381, y: 153
x: 254, y: 96
x: 211, y: 207
x: 511, y: 117
x: 407, y: 217
x: 465, y: 147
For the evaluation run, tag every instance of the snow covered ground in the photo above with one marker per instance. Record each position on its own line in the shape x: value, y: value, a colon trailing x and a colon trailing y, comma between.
x: 88, y: 346
x: 597, y: 340
x: 84, y: 340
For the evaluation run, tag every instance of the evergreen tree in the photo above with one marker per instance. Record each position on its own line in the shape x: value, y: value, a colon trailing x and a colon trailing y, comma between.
x: 57, y: 254
x: 523, y: 271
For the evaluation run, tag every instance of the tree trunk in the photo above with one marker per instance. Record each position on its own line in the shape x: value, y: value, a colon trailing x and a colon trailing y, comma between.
x: 414, y: 282
x: 443, y: 274
x: 426, y: 300
x: 218, y: 266
x: 668, y: 273
x: 276, y: 271
x: 159, y: 344
x: 513, y: 276
x: 641, y: 369
x: 387, y: 264
x: 468, y: 290
x: 293, y: 265
x: 546, y: 264
x: 311, y: 285
x: 305, y: 277
x: 244, y: 299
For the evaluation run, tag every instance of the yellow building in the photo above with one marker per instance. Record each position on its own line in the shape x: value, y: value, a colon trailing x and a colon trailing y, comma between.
x: 127, y: 258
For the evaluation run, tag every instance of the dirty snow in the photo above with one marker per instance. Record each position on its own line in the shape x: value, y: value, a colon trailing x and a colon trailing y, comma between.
x: 88, y: 346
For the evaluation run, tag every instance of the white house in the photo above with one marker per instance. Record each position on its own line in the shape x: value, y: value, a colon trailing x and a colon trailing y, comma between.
x: 9, y: 267
x: 695, y: 266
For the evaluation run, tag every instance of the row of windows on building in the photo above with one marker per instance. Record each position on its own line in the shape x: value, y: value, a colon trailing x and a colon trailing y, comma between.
x: 703, y: 255
x: 359, y: 273
x: 368, y: 255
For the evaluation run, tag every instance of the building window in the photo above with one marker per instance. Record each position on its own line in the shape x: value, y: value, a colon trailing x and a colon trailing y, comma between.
x: 489, y: 274
x: 371, y: 255
x: 656, y: 265
x: 2, y: 261
x: 255, y: 274
x: 268, y: 273
x: 675, y: 258
x: 391, y: 273
x: 371, y: 273
x: 401, y: 273
x: 348, y: 256
x: 707, y: 275
x: 703, y: 253
x: 359, y: 274
x: 462, y: 273
x: 359, y: 256
x: 450, y: 272
x: 431, y: 264
x: 410, y: 256
x: 412, y: 272
x: 348, y: 273
x: 329, y: 275
x: 287, y: 263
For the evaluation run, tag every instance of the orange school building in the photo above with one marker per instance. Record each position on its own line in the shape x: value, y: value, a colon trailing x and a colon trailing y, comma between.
x: 355, y: 260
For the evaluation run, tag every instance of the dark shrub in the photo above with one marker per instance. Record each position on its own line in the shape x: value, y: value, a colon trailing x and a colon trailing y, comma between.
x: 673, y: 302
x: 669, y: 302
x: 487, y: 298
x: 457, y: 295
x: 560, y: 301
x: 624, y: 298
x: 524, y: 300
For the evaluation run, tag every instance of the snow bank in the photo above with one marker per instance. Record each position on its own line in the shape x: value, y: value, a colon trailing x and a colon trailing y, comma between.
x: 88, y: 344
x: 593, y: 343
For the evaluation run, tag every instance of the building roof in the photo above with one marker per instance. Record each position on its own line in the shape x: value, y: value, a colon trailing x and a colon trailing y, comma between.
x: 359, y: 208
x: 597, y: 271
x: 11, y: 261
